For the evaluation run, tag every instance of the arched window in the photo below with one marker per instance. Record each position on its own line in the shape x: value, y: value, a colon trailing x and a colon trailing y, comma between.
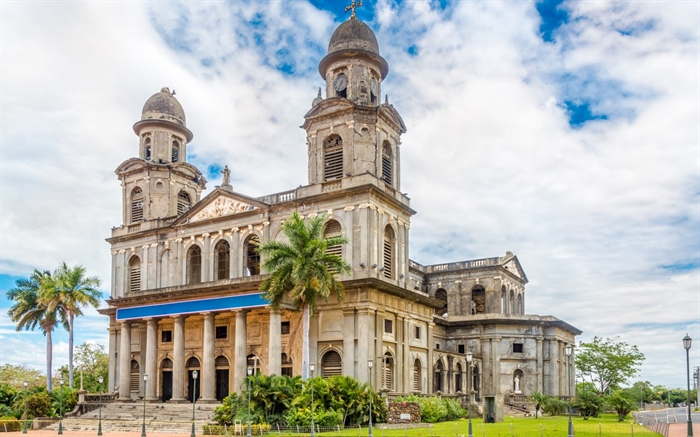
x: 147, y: 149
x: 333, y: 229
x: 183, y: 202
x: 175, y: 155
x: 252, y: 257
x: 512, y: 302
x: 388, y: 372
x: 478, y: 300
x: 331, y: 364
x: 504, y: 300
x: 136, y: 205
x: 441, y: 294
x: 134, y: 375
x: 222, y: 255
x: 437, y: 377
x: 388, y: 252
x: 333, y: 158
x: 134, y: 274
x: 286, y: 365
x: 194, y: 265
x: 387, y: 163
x: 521, y: 305
x: 458, y: 378
x: 417, y: 376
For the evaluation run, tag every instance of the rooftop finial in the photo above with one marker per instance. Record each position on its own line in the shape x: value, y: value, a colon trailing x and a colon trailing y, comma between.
x: 353, y: 6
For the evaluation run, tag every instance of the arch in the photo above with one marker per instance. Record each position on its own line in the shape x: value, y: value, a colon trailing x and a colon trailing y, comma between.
x: 167, y: 363
x: 504, y: 300
x: 167, y: 268
x: 136, y: 205
x: 193, y: 386
x: 388, y: 371
x: 417, y: 386
x: 331, y: 364
x: 512, y: 302
x: 340, y: 84
x: 388, y: 255
x: 441, y: 294
x: 134, y: 376
x: 175, y: 152
x: 333, y: 229
x: 192, y: 363
x: 437, y: 376
x: 286, y: 361
x: 252, y: 257
x: 521, y: 305
x: 184, y: 202
x: 194, y: 265
x: 387, y: 163
x: 518, y: 381
x: 478, y: 300
x: 147, y: 148
x: 221, y: 361
x: 134, y: 274
x: 458, y: 378
x: 222, y: 260
x: 332, y: 157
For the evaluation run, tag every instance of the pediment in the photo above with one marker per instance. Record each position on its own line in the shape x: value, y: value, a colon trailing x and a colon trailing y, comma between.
x: 392, y: 114
x: 220, y: 203
x: 513, y: 266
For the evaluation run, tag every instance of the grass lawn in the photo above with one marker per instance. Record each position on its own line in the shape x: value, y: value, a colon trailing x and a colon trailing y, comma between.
x: 607, y: 425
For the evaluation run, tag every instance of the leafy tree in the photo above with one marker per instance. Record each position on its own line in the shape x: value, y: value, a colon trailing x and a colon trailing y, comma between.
x: 538, y: 399
x: 622, y: 404
x: 588, y: 402
x: 607, y: 363
x: 72, y: 291
x: 38, y: 403
x: 554, y: 406
x: 94, y: 362
x: 304, y: 270
x: 30, y: 311
x: 15, y: 375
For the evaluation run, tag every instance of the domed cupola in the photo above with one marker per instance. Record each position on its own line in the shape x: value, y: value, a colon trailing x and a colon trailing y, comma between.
x: 164, y: 106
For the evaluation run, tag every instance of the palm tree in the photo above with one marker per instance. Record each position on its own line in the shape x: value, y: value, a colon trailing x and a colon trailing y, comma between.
x: 29, y: 311
x: 71, y: 292
x: 304, y: 270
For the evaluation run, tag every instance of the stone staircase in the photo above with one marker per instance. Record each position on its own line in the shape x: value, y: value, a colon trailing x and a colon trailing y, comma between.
x: 160, y: 417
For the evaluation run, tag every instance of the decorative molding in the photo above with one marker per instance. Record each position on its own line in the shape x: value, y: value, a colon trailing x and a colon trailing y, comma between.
x: 221, y: 207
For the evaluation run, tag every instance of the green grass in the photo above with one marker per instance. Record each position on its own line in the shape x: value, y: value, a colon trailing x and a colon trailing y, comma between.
x: 517, y: 427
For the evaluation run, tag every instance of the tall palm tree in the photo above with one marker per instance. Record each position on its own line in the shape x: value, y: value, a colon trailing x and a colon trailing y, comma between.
x: 304, y: 270
x: 72, y: 291
x: 30, y: 312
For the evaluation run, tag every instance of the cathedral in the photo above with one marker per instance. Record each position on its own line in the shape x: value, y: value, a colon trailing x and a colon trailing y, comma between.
x: 186, y: 272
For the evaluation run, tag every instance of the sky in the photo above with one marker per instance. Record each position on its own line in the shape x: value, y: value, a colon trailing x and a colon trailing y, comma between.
x: 564, y: 131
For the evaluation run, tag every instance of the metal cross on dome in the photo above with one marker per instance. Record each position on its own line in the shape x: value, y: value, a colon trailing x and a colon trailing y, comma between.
x: 353, y: 6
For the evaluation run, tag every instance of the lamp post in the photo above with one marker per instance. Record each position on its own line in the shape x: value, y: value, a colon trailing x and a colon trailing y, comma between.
x: 250, y: 373
x: 312, y: 367
x: 469, y: 390
x: 687, y: 341
x: 24, y: 422
x: 370, y: 364
x: 569, y: 349
x: 143, y: 426
x: 60, y: 397
x: 99, y: 421
x: 194, y: 399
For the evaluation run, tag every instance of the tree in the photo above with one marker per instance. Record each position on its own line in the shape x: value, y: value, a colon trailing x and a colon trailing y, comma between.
x: 588, y: 402
x: 539, y: 400
x: 303, y: 270
x: 30, y: 312
x: 607, y: 363
x: 15, y: 375
x: 94, y: 362
x: 622, y: 404
x: 72, y: 291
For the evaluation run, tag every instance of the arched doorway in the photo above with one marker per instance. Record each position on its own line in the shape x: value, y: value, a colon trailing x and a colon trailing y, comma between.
x: 437, y: 377
x: 388, y: 372
x: 458, y: 378
x: 166, y: 380
x: 135, y: 378
x: 192, y: 389
x: 331, y: 364
x: 222, y: 377
x: 417, y: 386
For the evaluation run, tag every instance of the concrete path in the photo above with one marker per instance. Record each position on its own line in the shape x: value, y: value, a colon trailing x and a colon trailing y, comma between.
x: 52, y: 433
x: 678, y: 430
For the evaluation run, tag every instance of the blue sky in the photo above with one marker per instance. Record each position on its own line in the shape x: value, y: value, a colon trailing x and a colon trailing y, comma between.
x: 565, y: 132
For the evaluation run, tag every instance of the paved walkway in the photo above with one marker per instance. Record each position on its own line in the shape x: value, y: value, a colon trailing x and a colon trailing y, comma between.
x: 678, y: 430
x: 53, y: 433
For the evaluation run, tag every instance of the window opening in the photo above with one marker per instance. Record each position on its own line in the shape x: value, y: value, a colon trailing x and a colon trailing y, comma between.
x: 417, y: 333
x: 175, y: 152
x: 387, y: 372
x: 333, y: 229
x: 166, y: 336
x: 333, y: 158
x: 221, y: 361
x: 134, y: 274
x: 147, y: 148
x: 286, y: 365
x: 331, y: 364
x: 441, y: 294
x: 134, y: 376
x: 388, y: 326
x: 387, y: 169
x: 252, y: 261
x: 517, y: 348
x: 221, y: 332
x: 194, y: 265
x: 285, y: 328
x: 388, y: 252
x: 136, y: 205
x: 460, y: 348
x: 223, y: 258
x: 478, y: 300
x: 183, y: 202
x: 458, y: 378
x: 437, y: 378
x: 416, y: 375
x: 340, y: 84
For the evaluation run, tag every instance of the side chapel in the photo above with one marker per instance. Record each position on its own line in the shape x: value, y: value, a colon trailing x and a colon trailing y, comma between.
x: 186, y: 274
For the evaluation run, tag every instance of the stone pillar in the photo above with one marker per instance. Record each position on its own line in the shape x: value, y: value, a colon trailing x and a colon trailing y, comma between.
x: 112, y: 378
x: 540, y: 365
x: 208, y: 377
x: 553, y: 368
x: 151, y: 358
x: 178, y: 359
x: 378, y: 350
x: 125, y: 362
x: 365, y: 349
x: 496, y: 360
x: 349, y: 342
x: 407, y: 366
x: 274, y: 359
x: 430, y: 365
x: 239, y: 368
x: 207, y: 260
x: 449, y: 386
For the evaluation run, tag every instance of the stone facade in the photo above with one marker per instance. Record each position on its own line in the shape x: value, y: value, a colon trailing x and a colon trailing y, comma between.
x: 185, y: 273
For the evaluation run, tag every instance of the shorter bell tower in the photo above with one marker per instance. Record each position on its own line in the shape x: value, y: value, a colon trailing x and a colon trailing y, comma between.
x: 160, y: 183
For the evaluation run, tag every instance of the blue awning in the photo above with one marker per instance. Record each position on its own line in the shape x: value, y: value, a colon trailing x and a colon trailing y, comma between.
x: 254, y: 300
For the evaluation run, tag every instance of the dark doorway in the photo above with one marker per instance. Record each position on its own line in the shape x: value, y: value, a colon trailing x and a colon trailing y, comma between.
x: 191, y: 385
x: 221, y: 384
x: 166, y: 385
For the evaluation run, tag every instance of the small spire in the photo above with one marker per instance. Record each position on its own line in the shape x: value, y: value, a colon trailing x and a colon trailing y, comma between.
x: 386, y: 99
x: 319, y: 92
x: 317, y: 99
x: 353, y: 6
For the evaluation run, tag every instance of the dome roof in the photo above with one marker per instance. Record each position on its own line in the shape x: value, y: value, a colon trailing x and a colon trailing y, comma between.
x: 164, y: 106
x: 353, y: 35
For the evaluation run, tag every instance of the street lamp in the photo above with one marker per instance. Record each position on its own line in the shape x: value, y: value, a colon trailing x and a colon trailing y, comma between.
x: 469, y: 389
x: 250, y: 373
x: 312, y: 367
x: 569, y: 349
x: 370, y: 364
x: 687, y: 341
x: 60, y: 419
x: 143, y: 426
x: 24, y: 422
x: 99, y: 422
x: 194, y: 399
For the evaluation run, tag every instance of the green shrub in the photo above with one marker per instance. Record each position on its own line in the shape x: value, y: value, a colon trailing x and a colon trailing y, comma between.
x: 454, y: 409
x: 38, y: 404
x: 432, y: 409
x: 255, y: 429
x: 7, y: 411
x: 9, y: 424
x: 554, y: 406
x: 302, y: 417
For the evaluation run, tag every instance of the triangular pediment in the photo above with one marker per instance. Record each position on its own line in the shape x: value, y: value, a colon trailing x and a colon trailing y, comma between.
x: 512, y: 264
x: 220, y: 203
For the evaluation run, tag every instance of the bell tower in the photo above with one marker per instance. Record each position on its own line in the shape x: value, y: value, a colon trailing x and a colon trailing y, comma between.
x: 160, y: 183
x: 350, y: 132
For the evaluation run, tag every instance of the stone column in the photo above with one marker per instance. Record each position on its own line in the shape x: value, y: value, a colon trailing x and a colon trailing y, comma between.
x: 113, y: 376
x: 430, y: 365
x: 239, y: 368
x: 349, y: 342
x: 207, y: 260
x: 378, y: 350
x: 151, y: 358
x: 496, y: 351
x: 407, y: 366
x: 365, y: 349
x: 274, y: 359
x: 553, y: 368
x: 178, y: 359
x: 540, y: 364
x: 208, y: 377
x: 125, y: 362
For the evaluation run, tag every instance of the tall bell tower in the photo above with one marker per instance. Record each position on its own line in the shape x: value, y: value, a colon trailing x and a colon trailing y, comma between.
x: 350, y: 132
x: 160, y: 183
